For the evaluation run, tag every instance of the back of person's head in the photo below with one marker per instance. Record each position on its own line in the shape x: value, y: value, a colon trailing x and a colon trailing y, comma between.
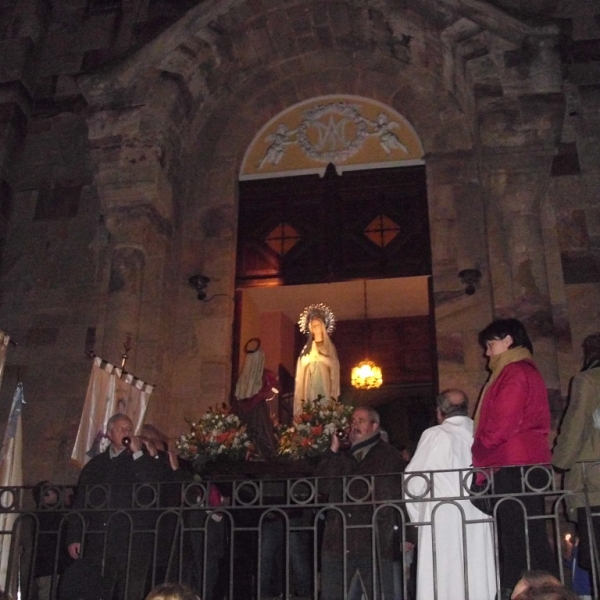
x: 591, y: 348
x: 452, y: 403
x: 548, y: 592
x: 538, y: 578
x: 532, y: 580
x: 500, y: 328
x: 172, y: 591
x: 155, y: 435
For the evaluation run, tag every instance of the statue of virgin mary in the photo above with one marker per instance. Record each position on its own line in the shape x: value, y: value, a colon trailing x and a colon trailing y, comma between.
x: 318, y: 367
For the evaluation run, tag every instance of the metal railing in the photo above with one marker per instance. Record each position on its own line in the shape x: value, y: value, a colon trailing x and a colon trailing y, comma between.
x: 266, y: 537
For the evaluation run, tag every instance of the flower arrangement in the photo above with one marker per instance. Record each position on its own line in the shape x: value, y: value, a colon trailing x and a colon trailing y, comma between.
x: 218, y: 435
x: 310, y: 434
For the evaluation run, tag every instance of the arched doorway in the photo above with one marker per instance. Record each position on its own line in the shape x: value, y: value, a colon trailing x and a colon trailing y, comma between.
x: 313, y: 233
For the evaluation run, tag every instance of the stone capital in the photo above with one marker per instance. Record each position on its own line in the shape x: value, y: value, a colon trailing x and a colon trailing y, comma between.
x: 515, y: 160
x: 137, y: 226
x: 131, y: 171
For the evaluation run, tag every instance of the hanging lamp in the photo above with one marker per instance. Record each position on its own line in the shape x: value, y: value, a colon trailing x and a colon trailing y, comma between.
x: 366, y: 375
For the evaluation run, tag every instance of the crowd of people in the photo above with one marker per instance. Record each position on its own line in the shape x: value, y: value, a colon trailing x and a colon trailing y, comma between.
x: 113, y: 554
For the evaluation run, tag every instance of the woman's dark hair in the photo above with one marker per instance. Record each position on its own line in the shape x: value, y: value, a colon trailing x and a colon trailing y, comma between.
x: 500, y: 328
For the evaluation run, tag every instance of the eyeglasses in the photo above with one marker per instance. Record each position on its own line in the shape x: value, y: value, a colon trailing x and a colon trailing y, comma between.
x: 123, y: 429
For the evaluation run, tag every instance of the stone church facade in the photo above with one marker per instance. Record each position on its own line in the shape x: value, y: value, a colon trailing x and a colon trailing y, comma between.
x: 124, y: 125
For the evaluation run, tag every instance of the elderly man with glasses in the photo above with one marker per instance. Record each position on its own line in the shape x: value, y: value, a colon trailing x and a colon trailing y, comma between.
x: 371, y: 470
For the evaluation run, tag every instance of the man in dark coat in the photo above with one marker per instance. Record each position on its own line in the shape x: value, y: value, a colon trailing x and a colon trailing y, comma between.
x: 369, y: 455
x: 114, y: 542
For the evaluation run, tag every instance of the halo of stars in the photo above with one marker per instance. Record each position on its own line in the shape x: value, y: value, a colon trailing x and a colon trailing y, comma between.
x: 320, y: 311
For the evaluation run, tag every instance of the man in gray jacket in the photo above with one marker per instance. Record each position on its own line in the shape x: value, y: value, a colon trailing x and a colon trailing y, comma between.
x: 579, y: 440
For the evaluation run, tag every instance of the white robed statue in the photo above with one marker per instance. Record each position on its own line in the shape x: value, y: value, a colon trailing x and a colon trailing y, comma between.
x: 318, y: 367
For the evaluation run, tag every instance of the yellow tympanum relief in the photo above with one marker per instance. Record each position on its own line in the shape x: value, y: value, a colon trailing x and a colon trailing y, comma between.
x: 349, y: 131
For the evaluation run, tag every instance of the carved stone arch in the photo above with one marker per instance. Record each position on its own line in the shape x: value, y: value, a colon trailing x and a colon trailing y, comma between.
x: 224, y: 78
x: 223, y: 136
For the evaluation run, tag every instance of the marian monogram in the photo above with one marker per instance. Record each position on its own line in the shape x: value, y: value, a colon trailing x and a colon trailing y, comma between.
x: 333, y: 132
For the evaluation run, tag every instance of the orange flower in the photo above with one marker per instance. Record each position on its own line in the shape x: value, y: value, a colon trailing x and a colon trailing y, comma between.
x: 316, y: 431
x: 222, y: 438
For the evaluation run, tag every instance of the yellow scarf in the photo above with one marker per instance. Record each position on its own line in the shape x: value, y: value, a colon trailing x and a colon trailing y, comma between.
x: 496, y: 365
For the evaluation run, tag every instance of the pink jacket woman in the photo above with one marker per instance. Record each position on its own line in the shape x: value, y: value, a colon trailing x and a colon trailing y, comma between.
x: 514, y: 420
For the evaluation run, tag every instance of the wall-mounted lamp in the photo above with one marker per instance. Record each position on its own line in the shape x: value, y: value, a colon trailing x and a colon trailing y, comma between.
x: 470, y: 278
x: 199, y: 283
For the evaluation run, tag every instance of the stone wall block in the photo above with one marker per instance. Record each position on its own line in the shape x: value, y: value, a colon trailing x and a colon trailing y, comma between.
x: 123, y: 309
x: 212, y: 336
x: 215, y: 383
x: 592, y: 215
x: 545, y: 71
x: 153, y: 284
x: 499, y: 125
x: 66, y: 86
x: 528, y: 120
x: 552, y: 255
x: 500, y: 272
x: 543, y: 113
x: 147, y: 363
x: 281, y: 39
x: 140, y: 185
x: 15, y: 55
x: 561, y: 328
x: 588, y: 149
x: 441, y: 200
x: 260, y: 43
x: 219, y: 258
x: 150, y: 320
x: 572, y: 230
x: 114, y: 124
x: 443, y: 242
x: 457, y: 311
x: 97, y: 31
x: 340, y: 20
x: 583, y: 313
x: 590, y: 98
x: 582, y: 74
x: 450, y: 348
x: 68, y: 63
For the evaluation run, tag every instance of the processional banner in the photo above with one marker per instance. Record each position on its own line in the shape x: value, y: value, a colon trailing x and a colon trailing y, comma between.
x: 11, y: 472
x: 110, y: 390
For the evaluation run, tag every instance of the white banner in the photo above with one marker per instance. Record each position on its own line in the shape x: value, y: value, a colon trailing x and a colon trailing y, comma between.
x: 11, y: 475
x: 110, y: 391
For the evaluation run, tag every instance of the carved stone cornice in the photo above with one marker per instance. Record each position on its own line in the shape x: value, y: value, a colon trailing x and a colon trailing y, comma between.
x: 14, y: 93
x: 133, y: 225
x: 499, y: 22
x: 524, y: 159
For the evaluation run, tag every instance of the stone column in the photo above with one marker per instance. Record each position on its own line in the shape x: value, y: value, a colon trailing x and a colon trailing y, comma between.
x: 516, y: 184
x: 457, y: 229
x: 121, y: 325
x: 136, y: 199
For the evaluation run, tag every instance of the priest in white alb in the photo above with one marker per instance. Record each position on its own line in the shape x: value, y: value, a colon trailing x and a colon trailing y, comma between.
x: 447, y: 446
